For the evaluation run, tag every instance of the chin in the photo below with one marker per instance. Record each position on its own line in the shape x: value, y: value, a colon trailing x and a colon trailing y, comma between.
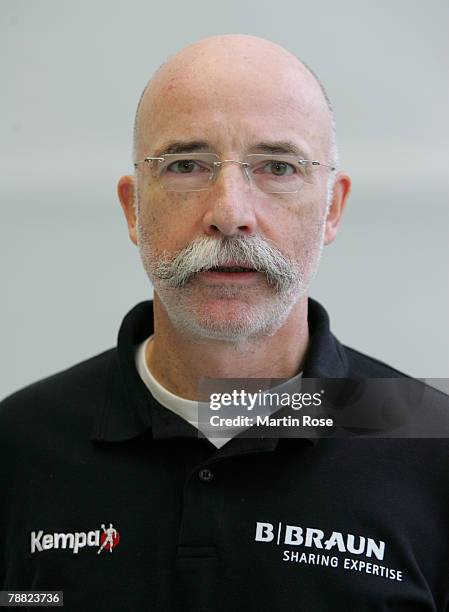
x: 232, y: 318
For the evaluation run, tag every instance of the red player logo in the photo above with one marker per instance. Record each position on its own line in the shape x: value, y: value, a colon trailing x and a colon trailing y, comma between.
x: 109, y: 538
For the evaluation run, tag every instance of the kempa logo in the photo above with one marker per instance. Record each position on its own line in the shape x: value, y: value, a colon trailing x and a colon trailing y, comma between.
x: 106, y: 539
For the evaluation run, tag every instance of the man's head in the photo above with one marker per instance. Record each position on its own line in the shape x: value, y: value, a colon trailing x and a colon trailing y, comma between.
x: 233, y: 96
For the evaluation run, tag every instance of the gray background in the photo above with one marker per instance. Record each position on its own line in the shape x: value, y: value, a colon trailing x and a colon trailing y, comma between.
x: 72, y: 73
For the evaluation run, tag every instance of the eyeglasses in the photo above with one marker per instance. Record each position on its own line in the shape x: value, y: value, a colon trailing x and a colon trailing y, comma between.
x: 198, y: 171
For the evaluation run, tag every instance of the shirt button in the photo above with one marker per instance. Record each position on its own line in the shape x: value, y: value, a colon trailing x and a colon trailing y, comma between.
x: 205, y: 475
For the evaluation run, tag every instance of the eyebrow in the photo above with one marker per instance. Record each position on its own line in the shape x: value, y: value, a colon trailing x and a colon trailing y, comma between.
x: 281, y: 147
x: 188, y: 146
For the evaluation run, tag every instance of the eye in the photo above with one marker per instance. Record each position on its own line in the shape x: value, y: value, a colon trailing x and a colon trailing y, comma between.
x: 186, y: 166
x: 277, y: 168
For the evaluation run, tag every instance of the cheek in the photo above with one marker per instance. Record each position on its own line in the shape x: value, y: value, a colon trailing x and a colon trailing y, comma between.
x: 169, y: 223
x: 292, y: 224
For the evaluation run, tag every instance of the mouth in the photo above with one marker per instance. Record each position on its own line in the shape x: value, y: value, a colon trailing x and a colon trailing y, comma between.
x: 231, y: 269
x: 229, y: 273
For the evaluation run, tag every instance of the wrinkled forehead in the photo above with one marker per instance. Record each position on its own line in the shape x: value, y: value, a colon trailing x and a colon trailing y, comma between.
x: 231, y: 91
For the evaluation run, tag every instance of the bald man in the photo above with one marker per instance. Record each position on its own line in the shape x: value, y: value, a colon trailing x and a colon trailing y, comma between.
x: 236, y: 190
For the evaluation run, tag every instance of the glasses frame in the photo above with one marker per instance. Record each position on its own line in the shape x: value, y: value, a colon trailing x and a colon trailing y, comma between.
x: 217, y: 165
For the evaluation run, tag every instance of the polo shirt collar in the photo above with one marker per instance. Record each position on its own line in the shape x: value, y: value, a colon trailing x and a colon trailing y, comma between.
x: 325, y: 357
x: 129, y: 409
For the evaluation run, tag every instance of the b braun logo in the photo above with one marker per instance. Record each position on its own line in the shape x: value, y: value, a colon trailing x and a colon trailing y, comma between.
x: 309, y: 537
x: 105, y: 539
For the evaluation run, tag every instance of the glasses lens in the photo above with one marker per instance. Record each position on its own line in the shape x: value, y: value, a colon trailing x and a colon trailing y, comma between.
x: 187, y: 172
x: 280, y: 174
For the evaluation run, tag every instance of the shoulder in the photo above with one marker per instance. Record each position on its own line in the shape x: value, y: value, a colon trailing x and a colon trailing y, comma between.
x: 409, y: 407
x: 362, y: 365
x: 75, y: 389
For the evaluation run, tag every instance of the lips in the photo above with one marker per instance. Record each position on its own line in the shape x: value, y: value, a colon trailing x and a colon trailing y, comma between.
x: 231, y: 269
x: 232, y: 266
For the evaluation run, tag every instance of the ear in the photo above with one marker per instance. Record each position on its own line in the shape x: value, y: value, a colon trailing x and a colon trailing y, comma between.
x: 340, y: 193
x: 126, y: 191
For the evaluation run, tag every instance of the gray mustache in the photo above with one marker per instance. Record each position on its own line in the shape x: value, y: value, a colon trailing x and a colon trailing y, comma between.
x: 204, y: 253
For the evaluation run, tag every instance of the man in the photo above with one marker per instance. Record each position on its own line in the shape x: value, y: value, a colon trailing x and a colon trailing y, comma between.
x: 236, y: 190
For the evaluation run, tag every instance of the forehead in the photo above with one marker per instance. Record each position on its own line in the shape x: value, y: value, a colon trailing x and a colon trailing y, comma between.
x: 231, y: 100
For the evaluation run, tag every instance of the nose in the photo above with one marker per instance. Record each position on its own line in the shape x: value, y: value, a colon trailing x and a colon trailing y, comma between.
x: 230, y: 209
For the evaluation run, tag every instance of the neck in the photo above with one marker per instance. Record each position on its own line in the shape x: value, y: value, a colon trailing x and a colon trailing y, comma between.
x: 179, y: 361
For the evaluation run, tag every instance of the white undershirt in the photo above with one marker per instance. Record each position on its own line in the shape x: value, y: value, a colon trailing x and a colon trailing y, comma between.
x: 184, y: 408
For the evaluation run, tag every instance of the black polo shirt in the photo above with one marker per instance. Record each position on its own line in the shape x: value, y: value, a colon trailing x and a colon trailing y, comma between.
x: 115, y: 500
